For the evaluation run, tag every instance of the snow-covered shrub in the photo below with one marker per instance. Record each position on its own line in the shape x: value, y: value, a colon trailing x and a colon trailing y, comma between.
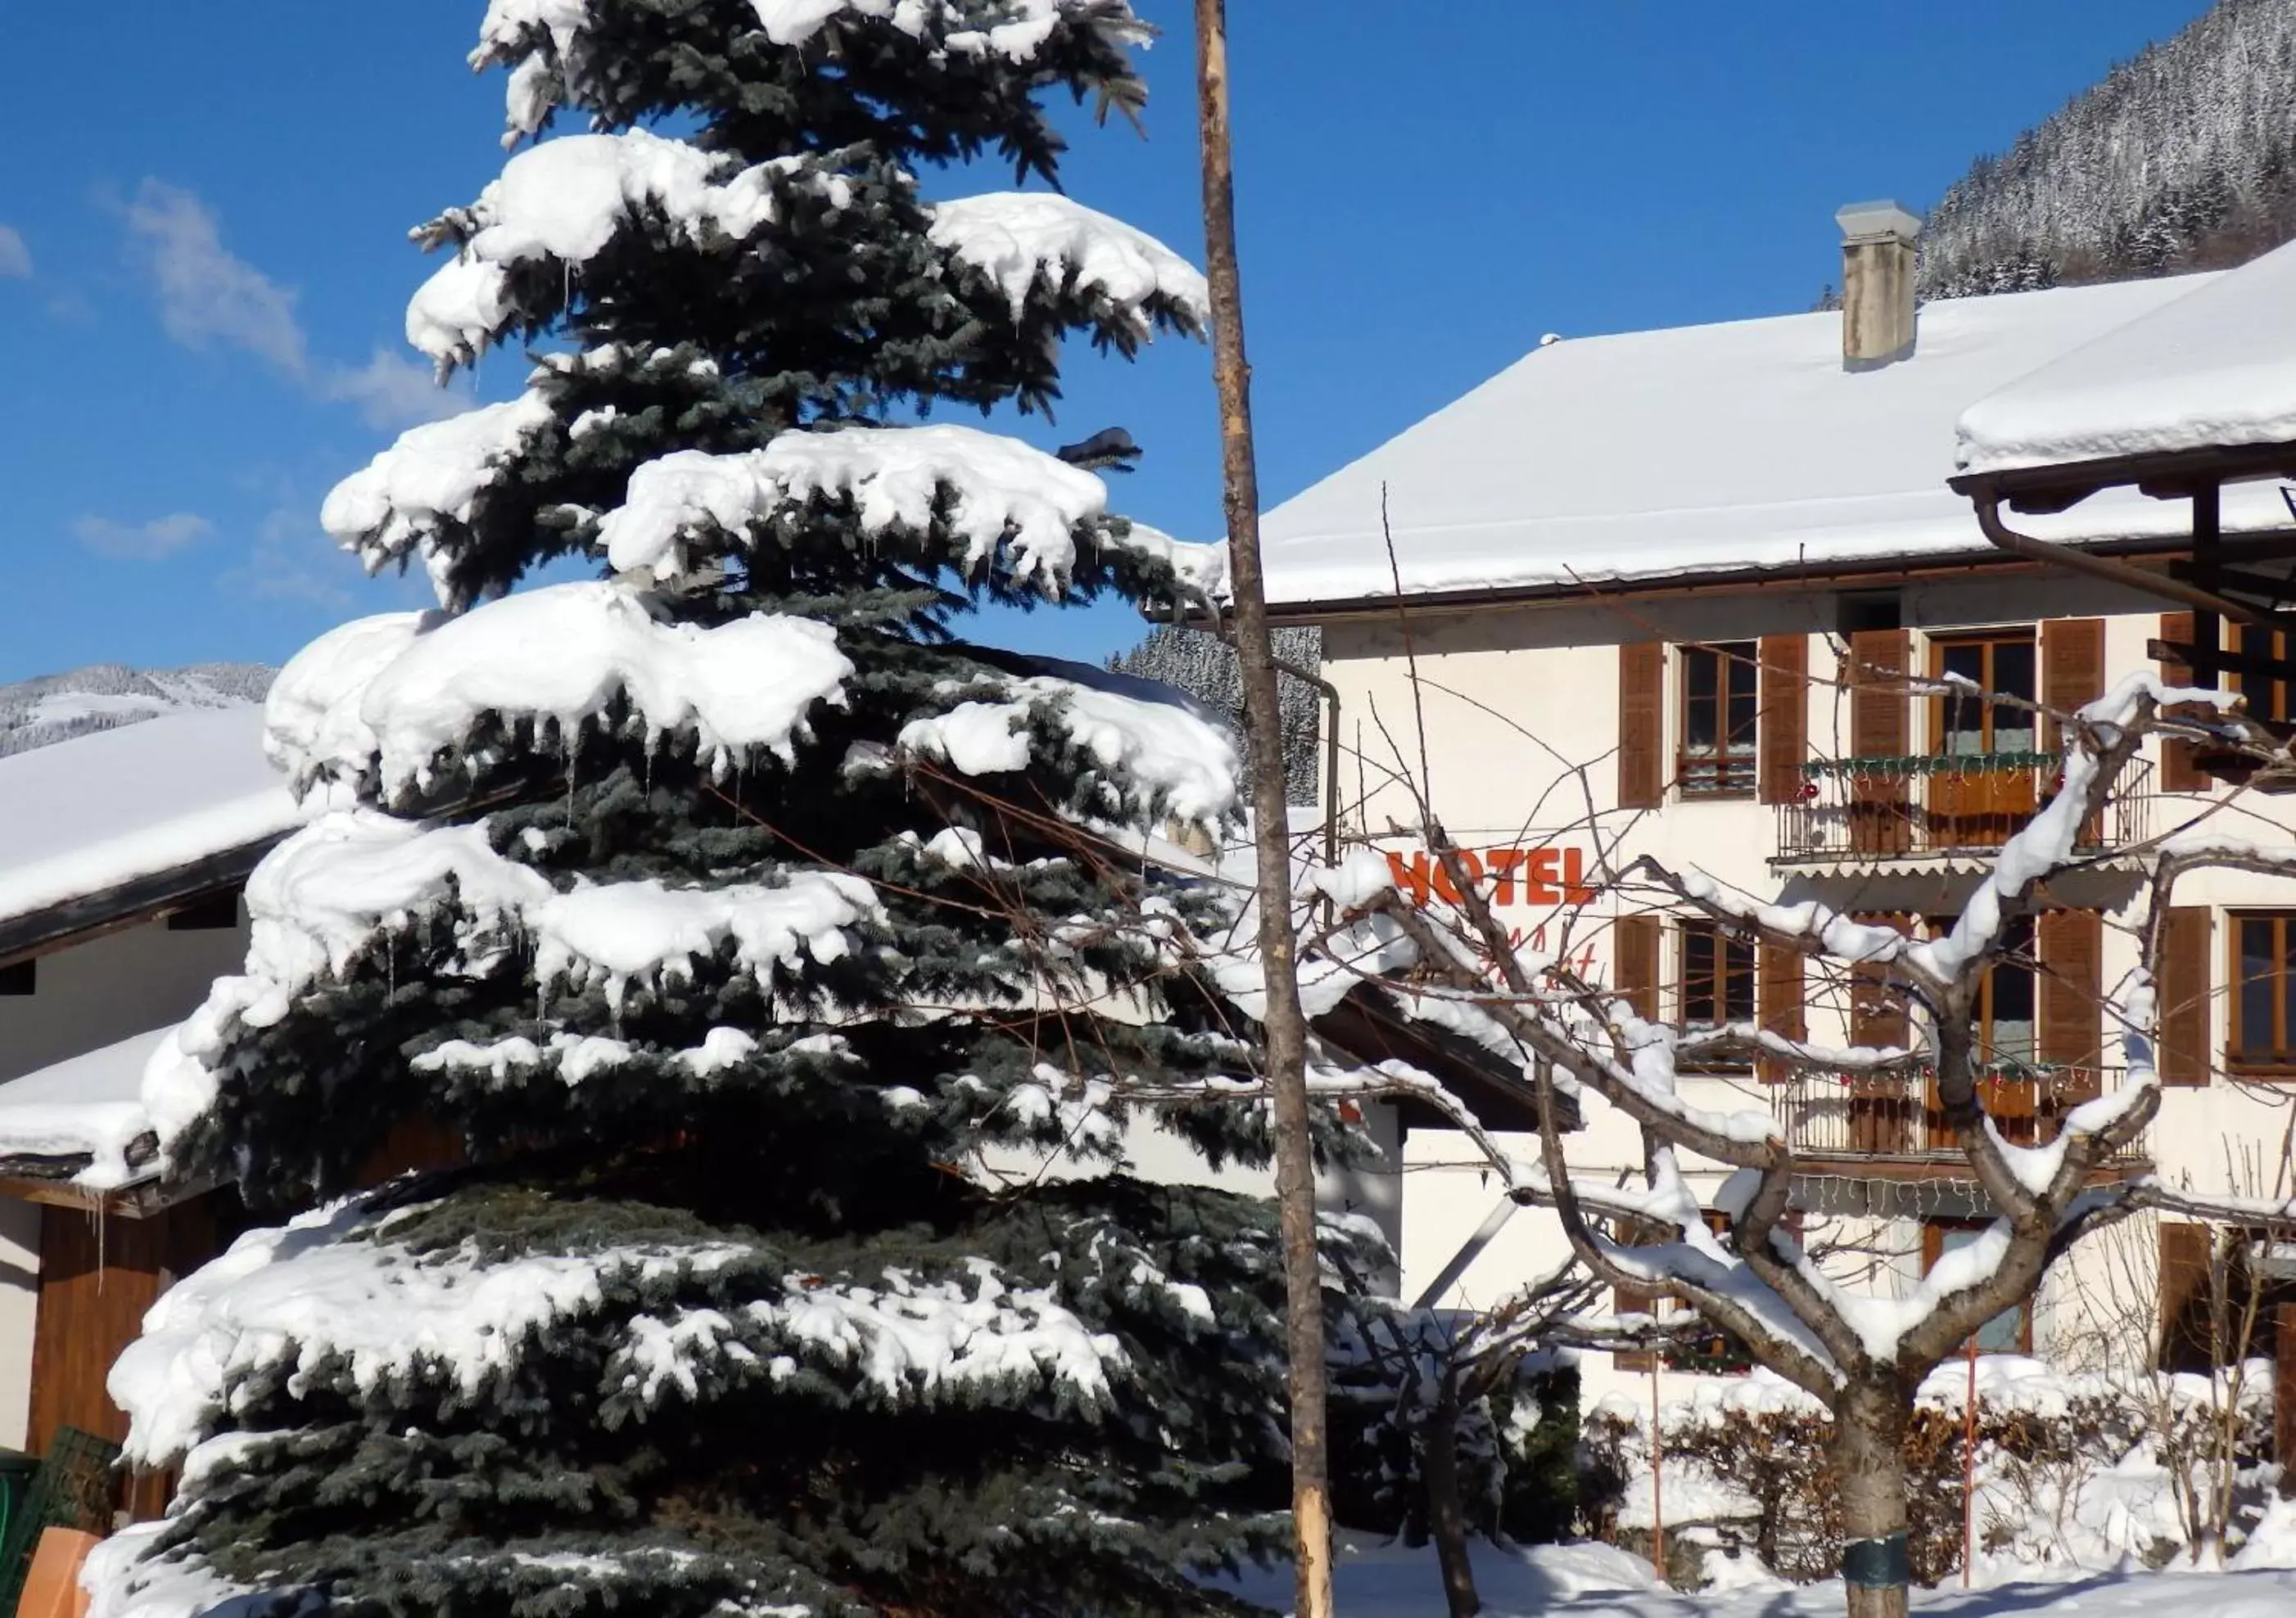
x: 2077, y: 1470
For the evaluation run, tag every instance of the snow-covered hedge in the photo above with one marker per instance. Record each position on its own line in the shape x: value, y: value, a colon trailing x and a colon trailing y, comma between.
x: 2072, y: 1470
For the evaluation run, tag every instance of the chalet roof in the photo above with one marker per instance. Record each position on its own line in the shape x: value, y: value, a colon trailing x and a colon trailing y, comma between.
x: 103, y: 825
x: 2215, y: 368
x: 1677, y: 453
x: 81, y: 1118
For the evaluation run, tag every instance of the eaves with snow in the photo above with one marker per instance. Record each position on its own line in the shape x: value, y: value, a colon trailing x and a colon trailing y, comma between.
x: 1673, y: 455
x: 105, y: 829
x: 125, y: 822
x: 2213, y: 369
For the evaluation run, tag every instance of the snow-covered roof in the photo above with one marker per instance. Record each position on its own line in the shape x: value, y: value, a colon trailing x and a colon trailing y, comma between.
x: 1701, y: 449
x: 2215, y: 368
x: 87, y: 1106
x: 85, y: 818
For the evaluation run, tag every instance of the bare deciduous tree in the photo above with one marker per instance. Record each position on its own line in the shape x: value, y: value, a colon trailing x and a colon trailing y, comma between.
x: 1860, y: 1355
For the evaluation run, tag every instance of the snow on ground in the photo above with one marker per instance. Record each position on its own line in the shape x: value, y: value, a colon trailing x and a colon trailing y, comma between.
x: 1593, y: 1581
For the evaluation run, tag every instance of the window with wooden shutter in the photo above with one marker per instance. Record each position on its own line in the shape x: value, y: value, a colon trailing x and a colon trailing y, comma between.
x: 1716, y: 720
x: 2184, y: 991
x: 1642, y: 724
x: 1881, y: 728
x: 1634, y: 952
x: 1785, y: 716
x: 2185, y: 1263
x: 2180, y: 771
x: 2263, y: 1009
x: 2071, y: 944
x: 2072, y: 669
x: 1779, y: 989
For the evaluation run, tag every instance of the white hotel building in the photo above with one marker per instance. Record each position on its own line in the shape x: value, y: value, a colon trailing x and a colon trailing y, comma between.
x: 1637, y: 572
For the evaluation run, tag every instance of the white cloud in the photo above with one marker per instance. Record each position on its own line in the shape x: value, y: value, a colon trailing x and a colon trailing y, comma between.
x: 15, y: 257
x: 208, y: 295
x: 141, y: 541
x: 392, y: 390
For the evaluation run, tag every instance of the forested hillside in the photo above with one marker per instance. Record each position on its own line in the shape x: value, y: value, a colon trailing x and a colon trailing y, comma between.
x: 104, y: 697
x: 1204, y: 665
x: 2184, y: 158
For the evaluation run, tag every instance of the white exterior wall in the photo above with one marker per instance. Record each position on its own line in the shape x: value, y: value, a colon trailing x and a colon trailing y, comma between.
x: 1521, y: 720
x: 85, y: 998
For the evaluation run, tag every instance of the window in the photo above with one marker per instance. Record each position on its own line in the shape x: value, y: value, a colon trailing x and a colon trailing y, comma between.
x: 217, y: 913
x: 2010, y: 1332
x: 1717, y: 986
x: 1717, y: 976
x: 20, y: 978
x: 2001, y: 664
x: 1720, y: 697
x: 2007, y: 999
x: 2264, y: 996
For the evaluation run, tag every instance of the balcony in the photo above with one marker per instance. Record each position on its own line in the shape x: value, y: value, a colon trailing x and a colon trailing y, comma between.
x: 1873, y: 811
x: 1894, y: 1126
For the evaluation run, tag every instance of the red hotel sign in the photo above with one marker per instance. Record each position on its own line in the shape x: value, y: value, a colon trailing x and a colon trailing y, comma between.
x: 1545, y: 877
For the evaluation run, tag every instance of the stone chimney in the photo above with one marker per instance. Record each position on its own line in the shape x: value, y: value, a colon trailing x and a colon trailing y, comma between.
x: 1878, y: 251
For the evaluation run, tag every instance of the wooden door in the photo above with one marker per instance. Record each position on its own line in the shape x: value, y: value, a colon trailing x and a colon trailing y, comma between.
x: 1983, y: 782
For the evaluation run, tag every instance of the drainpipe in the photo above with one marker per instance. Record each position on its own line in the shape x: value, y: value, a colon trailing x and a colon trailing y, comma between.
x: 2112, y: 568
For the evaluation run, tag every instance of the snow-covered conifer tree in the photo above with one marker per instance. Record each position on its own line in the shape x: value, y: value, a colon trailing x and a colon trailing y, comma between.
x: 729, y: 910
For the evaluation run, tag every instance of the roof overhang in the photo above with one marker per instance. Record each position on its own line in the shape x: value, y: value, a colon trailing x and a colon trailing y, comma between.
x: 1879, y: 572
x: 130, y: 903
x: 2164, y: 475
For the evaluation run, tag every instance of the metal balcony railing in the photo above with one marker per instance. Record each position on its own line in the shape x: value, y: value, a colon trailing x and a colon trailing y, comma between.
x: 1898, y: 1116
x: 1908, y: 808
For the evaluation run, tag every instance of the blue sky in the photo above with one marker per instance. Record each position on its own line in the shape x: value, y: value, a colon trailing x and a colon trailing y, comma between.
x: 203, y: 263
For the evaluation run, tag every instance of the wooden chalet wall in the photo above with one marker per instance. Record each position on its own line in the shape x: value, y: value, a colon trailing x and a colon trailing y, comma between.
x: 99, y: 1272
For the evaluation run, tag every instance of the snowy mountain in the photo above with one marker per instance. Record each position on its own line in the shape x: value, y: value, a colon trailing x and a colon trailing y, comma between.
x: 2183, y: 158
x: 104, y: 697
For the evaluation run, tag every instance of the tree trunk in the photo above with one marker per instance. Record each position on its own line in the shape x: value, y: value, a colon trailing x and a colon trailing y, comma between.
x: 1869, y: 1469
x: 1286, y: 1025
x: 1446, y: 1515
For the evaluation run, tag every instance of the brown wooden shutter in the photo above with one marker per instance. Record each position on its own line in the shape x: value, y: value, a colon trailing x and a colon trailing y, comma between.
x: 1881, y: 712
x: 1634, y: 949
x: 1785, y: 716
x: 1881, y: 726
x: 2073, y: 668
x: 2179, y: 772
x: 2185, y: 1261
x: 1642, y: 724
x: 2184, y: 991
x: 1633, y: 1301
x: 1877, y: 1017
x: 2072, y: 945
x: 1778, y: 1001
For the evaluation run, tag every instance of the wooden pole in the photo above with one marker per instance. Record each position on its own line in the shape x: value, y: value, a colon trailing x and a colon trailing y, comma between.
x: 1285, y: 1024
x: 1658, y: 1464
x: 1969, y: 1471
